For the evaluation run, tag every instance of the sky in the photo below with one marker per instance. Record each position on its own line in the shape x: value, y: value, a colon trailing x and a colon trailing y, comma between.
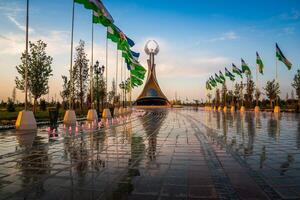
x: 197, y: 38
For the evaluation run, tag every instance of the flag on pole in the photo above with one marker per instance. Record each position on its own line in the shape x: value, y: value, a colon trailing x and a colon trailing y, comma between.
x: 245, y: 67
x: 208, y: 86
x: 212, y: 81
x: 259, y: 63
x: 100, y: 19
x: 217, y: 78
x: 280, y: 56
x: 229, y: 74
x: 135, y: 55
x: 99, y: 8
x: 237, y: 70
x: 222, y: 76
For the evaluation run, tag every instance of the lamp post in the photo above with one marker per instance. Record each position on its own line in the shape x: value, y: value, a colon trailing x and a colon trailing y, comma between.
x: 99, y: 71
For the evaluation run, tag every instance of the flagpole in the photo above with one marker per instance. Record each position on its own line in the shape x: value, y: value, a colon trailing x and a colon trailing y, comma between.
x: 276, y: 79
x: 122, y: 65
x: 106, y: 72
x: 257, y: 84
x: 91, y: 68
x: 26, y: 60
x: 71, y: 60
x: 117, y: 65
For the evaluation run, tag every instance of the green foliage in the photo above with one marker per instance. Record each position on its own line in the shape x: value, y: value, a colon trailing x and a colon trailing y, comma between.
x: 43, y: 105
x: 272, y: 91
x: 39, y: 70
x: 250, y: 88
x: 296, y: 83
x: 81, y: 73
x: 10, y: 107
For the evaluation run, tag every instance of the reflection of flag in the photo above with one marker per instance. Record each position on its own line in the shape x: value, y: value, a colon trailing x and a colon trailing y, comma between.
x: 282, y: 58
x: 229, y: 74
x: 259, y: 63
x: 245, y: 67
x: 237, y: 70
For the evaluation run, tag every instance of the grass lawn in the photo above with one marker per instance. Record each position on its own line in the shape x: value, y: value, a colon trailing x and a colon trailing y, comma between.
x: 10, y: 117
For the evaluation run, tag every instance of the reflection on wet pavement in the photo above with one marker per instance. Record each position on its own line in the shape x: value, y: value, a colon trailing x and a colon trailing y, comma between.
x: 163, y: 154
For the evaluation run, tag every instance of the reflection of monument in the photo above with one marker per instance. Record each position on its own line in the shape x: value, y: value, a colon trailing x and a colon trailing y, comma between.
x: 152, y: 94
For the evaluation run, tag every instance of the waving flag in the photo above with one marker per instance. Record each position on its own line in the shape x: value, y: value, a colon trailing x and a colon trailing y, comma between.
x: 212, y: 81
x: 100, y: 11
x: 208, y: 86
x: 222, y: 76
x: 245, y: 67
x: 259, y: 63
x: 135, y: 55
x: 280, y: 56
x: 217, y: 78
x: 237, y: 70
x: 229, y: 74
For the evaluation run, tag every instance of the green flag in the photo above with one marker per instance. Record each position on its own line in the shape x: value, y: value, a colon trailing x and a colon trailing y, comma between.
x: 208, y: 86
x: 212, y: 81
x: 136, y: 80
x: 100, y: 19
x: 245, y: 67
x: 112, y: 33
x: 222, y: 76
x: 98, y: 7
x: 229, y: 74
x: 237, y: 70
x: 259, y: 63
x: 217, y: 78
x: 282, y: 58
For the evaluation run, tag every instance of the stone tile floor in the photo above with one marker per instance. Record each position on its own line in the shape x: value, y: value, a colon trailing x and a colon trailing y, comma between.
x: 163, y: 154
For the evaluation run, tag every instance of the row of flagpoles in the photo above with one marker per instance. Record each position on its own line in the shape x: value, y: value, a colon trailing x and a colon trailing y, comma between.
x: 100, y: 15
x: 220, y: 78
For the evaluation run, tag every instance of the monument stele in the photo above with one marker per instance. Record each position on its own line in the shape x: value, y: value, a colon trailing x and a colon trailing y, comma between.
x: 152, y: 95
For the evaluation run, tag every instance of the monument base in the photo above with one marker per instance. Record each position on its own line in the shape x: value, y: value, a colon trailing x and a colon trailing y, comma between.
x: 26, y: 121
x: 232, y: 109
x: 116, y: 112
x: 257, y: 109
x: 243, y: 109
x: 92, y: 115
x: 106, y: 114
x: 277, y: 109
x: 70, y: 117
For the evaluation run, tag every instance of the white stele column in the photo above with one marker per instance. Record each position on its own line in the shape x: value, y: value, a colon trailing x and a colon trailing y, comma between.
x: 70, y: 118
x: 243, y: 109
x: 106, y: 114
x: 256, y: 109
x: 26, y: 121
x: 92, y: 115
x: 277, y: 109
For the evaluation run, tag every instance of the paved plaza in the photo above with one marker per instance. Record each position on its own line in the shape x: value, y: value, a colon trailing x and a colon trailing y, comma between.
x: 157, y: 154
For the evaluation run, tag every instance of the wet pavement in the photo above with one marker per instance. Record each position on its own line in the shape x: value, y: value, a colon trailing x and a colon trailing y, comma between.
x: 157, y: 154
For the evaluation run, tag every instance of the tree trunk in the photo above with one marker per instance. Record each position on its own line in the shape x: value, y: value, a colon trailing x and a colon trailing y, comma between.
x: 271, y: 103
x: 34, y: 105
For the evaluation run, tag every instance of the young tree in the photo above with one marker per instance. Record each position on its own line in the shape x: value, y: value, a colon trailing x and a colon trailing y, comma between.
x: 224, y: 94
x: 250, y: 87
x: 218, y: 98
x: 99, y: 89
x: 296, y: 85
x: 39, y: 71
x: 292, y: 95
x: 272, y: 91
x: 81, y: 73
x: 257, y: 95
x: 112, y: 95
x: 14, y: 95
x: 65, y: 93
x: 237, y: 93
x: 10, y: 107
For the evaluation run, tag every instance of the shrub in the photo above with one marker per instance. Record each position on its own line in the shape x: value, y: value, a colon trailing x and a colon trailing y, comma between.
x: 10, y: 107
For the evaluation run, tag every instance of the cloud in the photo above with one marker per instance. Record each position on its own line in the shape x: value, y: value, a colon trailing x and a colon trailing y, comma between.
x: 19, y: 25
x: 293, y: 15
x: 231, y: 35
x: 289, y: 30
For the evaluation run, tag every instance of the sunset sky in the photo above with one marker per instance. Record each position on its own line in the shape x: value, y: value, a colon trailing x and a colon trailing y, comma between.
x: 197, y: 38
